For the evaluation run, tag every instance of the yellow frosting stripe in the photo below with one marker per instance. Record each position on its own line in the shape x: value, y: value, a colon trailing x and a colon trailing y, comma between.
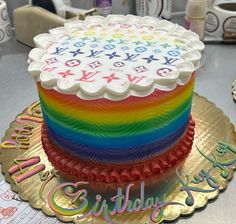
x: 101, y: 116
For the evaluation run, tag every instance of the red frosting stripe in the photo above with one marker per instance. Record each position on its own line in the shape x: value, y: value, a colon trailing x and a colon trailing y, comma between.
x: 85, y: 170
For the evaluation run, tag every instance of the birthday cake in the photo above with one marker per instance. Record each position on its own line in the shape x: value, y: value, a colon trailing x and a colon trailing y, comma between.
x: 116, y: 96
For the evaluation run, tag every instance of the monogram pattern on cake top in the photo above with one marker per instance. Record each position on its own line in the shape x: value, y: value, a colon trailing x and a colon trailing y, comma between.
x: 115, y: 57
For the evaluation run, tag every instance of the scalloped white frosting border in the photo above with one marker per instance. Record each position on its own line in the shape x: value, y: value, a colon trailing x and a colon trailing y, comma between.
x: 181, y: 74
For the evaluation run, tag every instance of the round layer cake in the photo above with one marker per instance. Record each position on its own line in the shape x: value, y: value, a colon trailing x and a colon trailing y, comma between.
x: 116, y: 95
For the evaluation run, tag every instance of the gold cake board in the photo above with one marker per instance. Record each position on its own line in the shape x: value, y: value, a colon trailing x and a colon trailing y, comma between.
x: 201, y: 177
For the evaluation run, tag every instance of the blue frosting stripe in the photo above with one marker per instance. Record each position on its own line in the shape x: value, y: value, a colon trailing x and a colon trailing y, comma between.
x: 112, y: 143
x: 132, y: 154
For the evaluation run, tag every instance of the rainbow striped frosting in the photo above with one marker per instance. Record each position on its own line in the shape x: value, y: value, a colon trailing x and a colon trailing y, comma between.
x: 116, y: 90
x: 125, y: 131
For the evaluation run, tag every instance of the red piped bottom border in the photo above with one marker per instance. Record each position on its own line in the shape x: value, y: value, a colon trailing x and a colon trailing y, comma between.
x: 91, y: 171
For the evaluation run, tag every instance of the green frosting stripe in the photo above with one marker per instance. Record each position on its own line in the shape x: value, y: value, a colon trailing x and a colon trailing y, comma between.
x: 108, y: 129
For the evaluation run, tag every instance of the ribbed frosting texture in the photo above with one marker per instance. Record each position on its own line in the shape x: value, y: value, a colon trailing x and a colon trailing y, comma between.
x: 77, y: 168
x: 119, y: 132
x: 116, y: 91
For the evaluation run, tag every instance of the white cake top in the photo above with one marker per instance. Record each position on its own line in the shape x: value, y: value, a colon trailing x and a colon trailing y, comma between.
x: 115, y: 57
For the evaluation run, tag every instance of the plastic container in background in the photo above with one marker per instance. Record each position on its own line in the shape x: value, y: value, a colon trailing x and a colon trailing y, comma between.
x: 54, y: 6
x: 196, y: 16
x: 221, y: 21
x: 104, y: 7
x: 124, y: 7
x: 5, y: 27
x: 155, y: 8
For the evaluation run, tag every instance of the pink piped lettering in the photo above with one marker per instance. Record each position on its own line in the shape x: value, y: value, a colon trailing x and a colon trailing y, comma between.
x: 21, y: 164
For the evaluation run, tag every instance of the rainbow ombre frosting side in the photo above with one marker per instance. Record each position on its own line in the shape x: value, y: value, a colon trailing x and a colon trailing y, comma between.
x: 116, y: 95
x: 127, y: 131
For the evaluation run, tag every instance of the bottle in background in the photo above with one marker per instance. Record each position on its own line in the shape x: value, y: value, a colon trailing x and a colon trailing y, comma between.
x: 195, y: 17
x: 155, y: 8
x: 104, y: 7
